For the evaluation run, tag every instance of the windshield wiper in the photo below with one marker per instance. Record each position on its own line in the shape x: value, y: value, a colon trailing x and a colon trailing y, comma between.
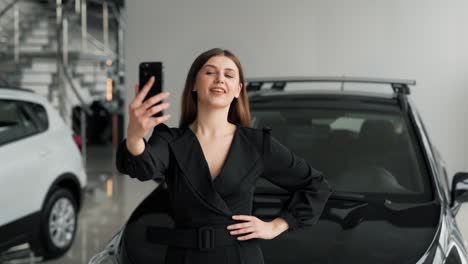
x: 348, y: 196
x: 359, y: 197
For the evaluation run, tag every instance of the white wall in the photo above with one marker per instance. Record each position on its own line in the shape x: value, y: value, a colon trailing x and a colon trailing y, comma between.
x: 422, y: 40
x: 270, y: 37
x: 426, y: 40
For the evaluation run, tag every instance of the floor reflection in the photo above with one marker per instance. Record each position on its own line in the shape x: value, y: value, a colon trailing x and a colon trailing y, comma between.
x: 109, y: 201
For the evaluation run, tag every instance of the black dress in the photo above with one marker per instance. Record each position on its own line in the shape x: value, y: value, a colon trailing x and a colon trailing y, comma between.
x: 174, y: 155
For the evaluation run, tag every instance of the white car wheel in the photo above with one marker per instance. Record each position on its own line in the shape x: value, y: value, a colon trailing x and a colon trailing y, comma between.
x: 59, y: 223
x: 62, y: 222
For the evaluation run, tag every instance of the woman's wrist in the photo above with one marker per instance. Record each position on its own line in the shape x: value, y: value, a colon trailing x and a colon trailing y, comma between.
x: 135, y: 146
x: 279, y: 225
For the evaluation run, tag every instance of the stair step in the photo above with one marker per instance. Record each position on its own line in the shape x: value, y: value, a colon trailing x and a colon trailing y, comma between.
x: 99, y: 87
x: 37, y: 88
x: 44, y: 79
x: 44, y: 65
x: 30, y: 48
x: 31, y: 76
x: 51, y: 60
x: 91, y: 78
x: 98, y: 94
x: 43, y: 32
x: 39, y: 71
x: 36, y: 77
x: 8, y: 67
x: 23, y: 5
x: 35, y: 40
x: 87, y: 69
x: 43, y: 24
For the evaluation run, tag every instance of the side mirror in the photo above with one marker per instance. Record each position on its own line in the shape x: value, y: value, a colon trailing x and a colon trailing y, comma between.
x: 460, y: 188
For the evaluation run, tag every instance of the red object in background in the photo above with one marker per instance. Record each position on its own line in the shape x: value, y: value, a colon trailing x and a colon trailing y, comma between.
x: 77, y: 140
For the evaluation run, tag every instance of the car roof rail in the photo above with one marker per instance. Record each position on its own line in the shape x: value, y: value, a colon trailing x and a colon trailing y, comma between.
x: 17, y: 89
x: 399, y: 86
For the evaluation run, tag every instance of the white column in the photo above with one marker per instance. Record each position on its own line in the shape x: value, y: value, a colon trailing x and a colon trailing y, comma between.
x: 77, y: 6
x: 65, y: 41
x: 84, y: 30
x: 16, y: 32
x: 105, y: 25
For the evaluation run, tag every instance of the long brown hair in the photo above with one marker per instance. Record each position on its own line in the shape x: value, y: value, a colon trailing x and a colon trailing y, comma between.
x: 239, y: 111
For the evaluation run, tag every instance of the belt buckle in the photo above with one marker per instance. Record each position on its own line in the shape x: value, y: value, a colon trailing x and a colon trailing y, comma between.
x: 205, y: 238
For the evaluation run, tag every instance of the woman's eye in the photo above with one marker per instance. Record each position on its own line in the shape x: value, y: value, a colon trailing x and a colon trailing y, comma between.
x: 209, y: 72
x: 229, y: 76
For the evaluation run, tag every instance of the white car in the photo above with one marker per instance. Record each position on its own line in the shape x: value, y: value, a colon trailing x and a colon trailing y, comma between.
x: 41, y: 175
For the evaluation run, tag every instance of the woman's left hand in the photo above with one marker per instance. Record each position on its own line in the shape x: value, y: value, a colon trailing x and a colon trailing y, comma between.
x: 256, y: 228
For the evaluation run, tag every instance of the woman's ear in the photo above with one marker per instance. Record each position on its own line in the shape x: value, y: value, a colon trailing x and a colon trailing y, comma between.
x: 241, y: 86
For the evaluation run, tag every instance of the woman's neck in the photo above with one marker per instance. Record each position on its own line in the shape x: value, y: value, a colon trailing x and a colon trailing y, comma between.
x: 212, y: 123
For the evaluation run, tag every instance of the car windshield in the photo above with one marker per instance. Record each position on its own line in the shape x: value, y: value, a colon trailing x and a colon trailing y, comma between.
x: 359, y: 151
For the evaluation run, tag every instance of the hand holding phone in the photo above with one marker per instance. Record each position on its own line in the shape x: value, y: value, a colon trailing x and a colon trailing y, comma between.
x: 141, y: 115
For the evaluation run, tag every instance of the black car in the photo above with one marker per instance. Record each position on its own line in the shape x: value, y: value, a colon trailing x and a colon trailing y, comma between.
x: 392, y: 203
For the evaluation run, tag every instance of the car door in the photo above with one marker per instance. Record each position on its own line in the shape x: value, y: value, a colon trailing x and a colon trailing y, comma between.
x: 22, y: 161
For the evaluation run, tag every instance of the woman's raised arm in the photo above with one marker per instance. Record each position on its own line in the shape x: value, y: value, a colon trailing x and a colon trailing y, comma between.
x: 133, y: 156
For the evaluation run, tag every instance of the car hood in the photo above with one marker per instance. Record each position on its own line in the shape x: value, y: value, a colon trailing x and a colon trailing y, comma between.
x: 359, y: 232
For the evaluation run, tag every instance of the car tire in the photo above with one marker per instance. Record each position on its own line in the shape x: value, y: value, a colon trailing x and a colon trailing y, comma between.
x: 58, y: 223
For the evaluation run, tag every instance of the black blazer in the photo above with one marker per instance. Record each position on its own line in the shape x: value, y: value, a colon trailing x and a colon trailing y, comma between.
x: 174, y: 155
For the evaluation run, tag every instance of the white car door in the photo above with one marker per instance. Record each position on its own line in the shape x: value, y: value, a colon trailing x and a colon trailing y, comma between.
x: 23, y: 158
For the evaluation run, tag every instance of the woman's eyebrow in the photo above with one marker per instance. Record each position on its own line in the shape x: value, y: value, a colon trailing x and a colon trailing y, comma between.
x: 229, y: 69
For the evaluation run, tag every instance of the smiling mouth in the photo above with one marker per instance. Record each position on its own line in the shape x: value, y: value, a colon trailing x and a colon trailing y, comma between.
x: 218, y: 90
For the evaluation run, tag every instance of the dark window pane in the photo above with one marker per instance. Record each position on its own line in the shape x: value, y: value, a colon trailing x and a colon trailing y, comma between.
x: 453, y: 257
x: 40, y: 115
x: 15, y: 123
x: 358, y: 151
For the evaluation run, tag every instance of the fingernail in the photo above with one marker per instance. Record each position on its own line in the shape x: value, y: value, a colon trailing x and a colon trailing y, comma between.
x: 168, y: 93
x: 152, y: 77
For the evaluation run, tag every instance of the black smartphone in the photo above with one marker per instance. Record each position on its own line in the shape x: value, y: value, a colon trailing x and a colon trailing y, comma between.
x: 146, y: 71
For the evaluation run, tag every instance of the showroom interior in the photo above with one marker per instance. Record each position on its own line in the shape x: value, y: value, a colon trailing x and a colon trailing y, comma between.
x: 83, y: 56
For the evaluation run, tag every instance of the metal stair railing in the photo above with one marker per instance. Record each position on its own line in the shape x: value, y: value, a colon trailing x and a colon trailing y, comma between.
x: 62, y: 55
x: 3, y: 13
x: 68, y: 17
x: 85, y: 110
x: 8, y: 7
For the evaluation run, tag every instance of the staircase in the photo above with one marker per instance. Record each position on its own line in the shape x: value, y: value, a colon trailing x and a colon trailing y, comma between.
x: 37, y: 65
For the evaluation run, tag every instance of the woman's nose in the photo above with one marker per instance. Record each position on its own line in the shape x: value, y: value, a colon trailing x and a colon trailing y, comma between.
x: 220, y: 79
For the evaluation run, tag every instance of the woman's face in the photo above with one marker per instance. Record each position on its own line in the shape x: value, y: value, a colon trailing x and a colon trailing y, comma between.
x: 217, y: 82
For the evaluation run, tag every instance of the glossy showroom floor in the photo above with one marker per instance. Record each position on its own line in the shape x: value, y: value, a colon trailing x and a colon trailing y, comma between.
x: 109, y: 202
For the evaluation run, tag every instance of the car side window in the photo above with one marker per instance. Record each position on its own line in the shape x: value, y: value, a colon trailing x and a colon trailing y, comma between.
x: 15, y: 122
x: 39, y: 114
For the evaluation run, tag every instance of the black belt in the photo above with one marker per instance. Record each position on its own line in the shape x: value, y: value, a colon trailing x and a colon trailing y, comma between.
x: 203, y: 238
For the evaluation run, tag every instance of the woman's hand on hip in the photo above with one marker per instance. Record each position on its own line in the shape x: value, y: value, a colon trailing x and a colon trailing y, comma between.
x: 252, y: 227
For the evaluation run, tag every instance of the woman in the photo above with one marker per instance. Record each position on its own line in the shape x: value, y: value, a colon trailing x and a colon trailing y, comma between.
x: 211, y: 163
